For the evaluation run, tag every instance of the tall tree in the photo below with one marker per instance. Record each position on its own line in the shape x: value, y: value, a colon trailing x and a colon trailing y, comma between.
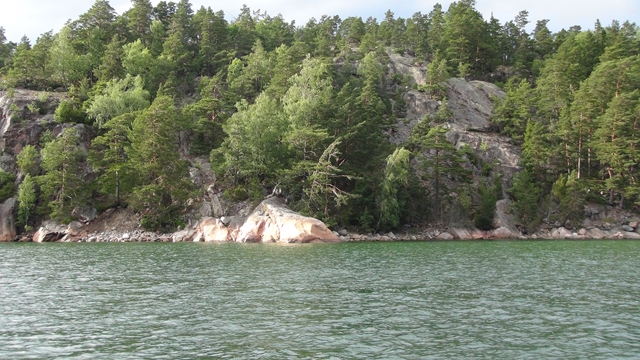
x: 61, y: 184
x: 109, y: 160
x: 140, y: 16
x: 617, y: 142
x: 163, y: 184
x: 307, y: 106
x: 440, y: 163
x: 70, y: 67
x: 255, y: 147
x: 396, y: 175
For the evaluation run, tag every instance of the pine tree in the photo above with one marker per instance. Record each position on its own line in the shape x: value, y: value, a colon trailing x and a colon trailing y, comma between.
x: 28, y: 161
x: 61, y: 183
x: 617, y: 142
x: 111, y: 62
x: 163, y: 184
x: 440, y: 162
x: 322, y: 194
x: 527, y: 198
x: 513, y: 112
x: 140, y: 20
x: 109, y: 159
x: 437, y: 74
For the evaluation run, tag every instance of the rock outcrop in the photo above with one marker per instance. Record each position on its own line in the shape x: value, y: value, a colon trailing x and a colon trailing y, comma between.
x: 7, y: 226
x: 273, y: 221
x: 225, y: 229
x: 50, y: 231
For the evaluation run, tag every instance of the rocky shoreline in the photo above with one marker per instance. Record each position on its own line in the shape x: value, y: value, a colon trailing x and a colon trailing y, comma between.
x: 51, y: 232
x: 273, y: 222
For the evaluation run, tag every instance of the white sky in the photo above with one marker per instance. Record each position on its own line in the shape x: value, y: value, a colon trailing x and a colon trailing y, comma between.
x: 34, y: 17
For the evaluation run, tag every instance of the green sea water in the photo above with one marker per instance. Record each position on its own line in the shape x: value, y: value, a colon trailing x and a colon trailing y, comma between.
x: 423, y: 300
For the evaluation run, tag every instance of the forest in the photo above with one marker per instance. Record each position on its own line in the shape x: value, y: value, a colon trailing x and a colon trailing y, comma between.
x: 302, y: 110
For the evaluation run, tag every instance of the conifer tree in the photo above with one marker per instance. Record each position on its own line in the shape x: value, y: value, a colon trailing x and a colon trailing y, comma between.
x: 439, y: 161
x: 163, y: 184
x: 617, y: 142
x: 109, y: 159
x: 140, y: 16
x: 61, y: 183
x: 28, y: 161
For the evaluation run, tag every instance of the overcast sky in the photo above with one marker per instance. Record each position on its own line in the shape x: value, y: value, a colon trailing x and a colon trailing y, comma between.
x: 34, y: 17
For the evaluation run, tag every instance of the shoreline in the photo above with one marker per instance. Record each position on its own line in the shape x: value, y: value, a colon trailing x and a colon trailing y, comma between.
x: 181, y: 237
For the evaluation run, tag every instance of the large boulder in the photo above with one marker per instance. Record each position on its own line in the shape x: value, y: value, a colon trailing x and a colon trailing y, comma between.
x: 461, y: 234
x: 7, y: 225
x: 50, y: 231
x: 218, y: 230
x: 273, y: 221
x: 502, y: 233
x: 560, y: 233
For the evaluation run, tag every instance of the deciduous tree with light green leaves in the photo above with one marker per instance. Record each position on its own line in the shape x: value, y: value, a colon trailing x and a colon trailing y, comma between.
x: 26, y: 201
x: 255, y: 146
x: 396, y: 175
x: 119, y: 97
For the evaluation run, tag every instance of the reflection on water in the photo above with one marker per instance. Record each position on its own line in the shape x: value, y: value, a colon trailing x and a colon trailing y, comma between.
x: 554, y: 299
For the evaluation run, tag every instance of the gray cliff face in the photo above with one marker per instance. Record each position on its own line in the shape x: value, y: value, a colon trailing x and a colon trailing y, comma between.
x: 471, y: 103
x: 24, y: 116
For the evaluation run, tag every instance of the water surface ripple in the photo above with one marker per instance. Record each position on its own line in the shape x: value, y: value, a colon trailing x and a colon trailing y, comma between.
x: 432, y: 300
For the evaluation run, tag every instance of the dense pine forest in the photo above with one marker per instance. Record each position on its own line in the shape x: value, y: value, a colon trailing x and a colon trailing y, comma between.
x: 303, y: 112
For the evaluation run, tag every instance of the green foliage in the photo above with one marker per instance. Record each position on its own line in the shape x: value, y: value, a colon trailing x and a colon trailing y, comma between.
x: 67, y: 112
x: 28, y: 161
x: 441, y: 163
x: 437, y: 73
x: 527, y: 199
x: 255, y: 147
x: 69, y: 66
x: 108, y: 157
x: 396, y: 175
x: 483, y: 218
x: 162, y: 180
x: 26, y: 201
x: 7, y: 186
x: 119, y: 97
x: 570, y: 198
x: 205, y: 118
x: 61, y: 183
x: 46, y: 138
x: 322, y: 194
x: 513, y: 112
